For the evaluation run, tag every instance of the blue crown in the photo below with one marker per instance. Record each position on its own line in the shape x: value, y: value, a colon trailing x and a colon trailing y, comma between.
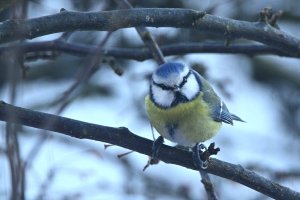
x: 168, y: 68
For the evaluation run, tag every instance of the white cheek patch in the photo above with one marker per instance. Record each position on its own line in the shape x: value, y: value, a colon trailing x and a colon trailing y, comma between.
x: 162, y: 97
x: 191, y: 88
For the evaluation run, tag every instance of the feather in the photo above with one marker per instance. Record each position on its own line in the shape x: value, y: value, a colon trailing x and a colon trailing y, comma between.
x: 219, y: 110
x: 236, y: 118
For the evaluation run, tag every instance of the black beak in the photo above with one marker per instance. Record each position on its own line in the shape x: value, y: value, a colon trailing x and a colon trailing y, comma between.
x: 179, y: 98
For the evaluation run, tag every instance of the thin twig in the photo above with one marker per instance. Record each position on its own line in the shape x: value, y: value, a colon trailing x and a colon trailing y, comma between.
x: 146, y: 36
x: 46, y: 184
x: 84, y: 75
x: 208, y: 185
x: 124, y: 138
x: 13, y: 64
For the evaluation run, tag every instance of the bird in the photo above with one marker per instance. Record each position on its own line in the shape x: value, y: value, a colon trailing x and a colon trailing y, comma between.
x: 183, y: 107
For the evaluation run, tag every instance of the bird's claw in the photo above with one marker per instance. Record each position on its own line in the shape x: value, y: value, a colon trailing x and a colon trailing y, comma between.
x: 201, y: 154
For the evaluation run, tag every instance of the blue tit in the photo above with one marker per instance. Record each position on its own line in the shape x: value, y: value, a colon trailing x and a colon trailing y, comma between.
x: 183, y: 107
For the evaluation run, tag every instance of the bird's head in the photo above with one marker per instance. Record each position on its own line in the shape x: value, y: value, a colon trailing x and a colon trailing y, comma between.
x: 173, y: 83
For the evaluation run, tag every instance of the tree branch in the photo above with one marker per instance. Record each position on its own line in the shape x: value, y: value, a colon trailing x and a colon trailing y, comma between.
x: 149, y: 17
x: 208, y: 186
x: 142, y: 54
x: 124, y: 138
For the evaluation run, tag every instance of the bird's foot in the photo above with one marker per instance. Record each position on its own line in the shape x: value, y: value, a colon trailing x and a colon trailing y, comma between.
x: 201, y: 154
x: 155, y: 148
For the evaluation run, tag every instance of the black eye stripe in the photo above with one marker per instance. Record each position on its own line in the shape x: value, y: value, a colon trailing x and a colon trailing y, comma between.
x: 166, y: 87
x: 163, y: 86
x: 184, y: 80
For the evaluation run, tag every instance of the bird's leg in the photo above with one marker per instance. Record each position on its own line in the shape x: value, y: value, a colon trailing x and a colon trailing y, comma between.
x: 198, y: 150
x: 201, y: 154
x: 155, y: 148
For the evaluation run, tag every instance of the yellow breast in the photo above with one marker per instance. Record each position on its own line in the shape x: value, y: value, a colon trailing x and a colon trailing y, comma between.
x: 185, y: 124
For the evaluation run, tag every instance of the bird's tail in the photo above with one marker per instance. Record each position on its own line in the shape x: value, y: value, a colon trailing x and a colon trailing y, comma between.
x: 236, y: 118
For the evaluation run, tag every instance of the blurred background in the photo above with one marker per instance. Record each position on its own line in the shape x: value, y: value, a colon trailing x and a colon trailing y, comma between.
x: 262, y: 90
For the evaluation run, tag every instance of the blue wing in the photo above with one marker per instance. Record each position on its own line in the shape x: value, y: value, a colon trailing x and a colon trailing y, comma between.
x: 221, y: 114
x: 219, y: 111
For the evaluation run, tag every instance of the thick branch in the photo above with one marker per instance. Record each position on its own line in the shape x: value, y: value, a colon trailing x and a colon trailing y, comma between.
x: 124, y: 138
x: 149, y: 17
